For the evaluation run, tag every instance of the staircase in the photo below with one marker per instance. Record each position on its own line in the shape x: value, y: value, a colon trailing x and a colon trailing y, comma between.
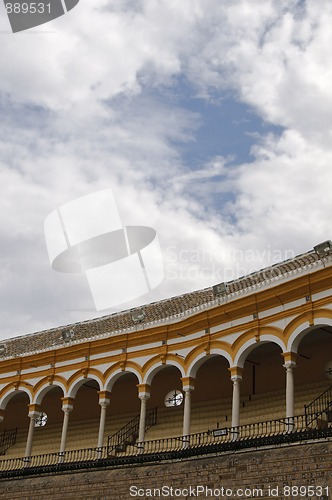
x: 319, y: 411
x: 128, y: 434
x: 7, y: 439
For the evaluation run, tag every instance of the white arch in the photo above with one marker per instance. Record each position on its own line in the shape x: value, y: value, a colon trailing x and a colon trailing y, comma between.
x: 74, y: 387
x: 110, y: 381
x: 11, y: 393
x: 302, y: 330
x: 154, y: 369
x: 202, y: 357
x: 44, y: 389
x: 251, y: 344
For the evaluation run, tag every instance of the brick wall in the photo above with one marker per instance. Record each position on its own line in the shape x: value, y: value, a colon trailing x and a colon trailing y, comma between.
x: 297, y: 465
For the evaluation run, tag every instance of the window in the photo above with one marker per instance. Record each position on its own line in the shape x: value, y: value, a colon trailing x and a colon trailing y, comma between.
x: 174, y: 398
x: 41, y: 420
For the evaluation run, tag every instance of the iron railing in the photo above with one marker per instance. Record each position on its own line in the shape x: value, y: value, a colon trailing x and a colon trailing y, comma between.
x: 270, y: 432
x: 7, y: 439
x: 318, y: 407
x: 128, y: 434
x: 73, y: 457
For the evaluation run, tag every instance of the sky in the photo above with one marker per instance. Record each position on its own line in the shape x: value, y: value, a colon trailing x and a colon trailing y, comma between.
x: 210, y: 120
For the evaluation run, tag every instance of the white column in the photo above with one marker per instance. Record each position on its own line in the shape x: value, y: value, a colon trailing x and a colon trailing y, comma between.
x: 104, y: 401
x: 141, y: 432
x: 188, y: 385
x: 67, y: 407
x: 34, y: 412
x: 64, y: 429
x: 144, y: 395
x: 236, y: 378
x: 290, y: 364
x: 186, y: 415
x: 103, y: 408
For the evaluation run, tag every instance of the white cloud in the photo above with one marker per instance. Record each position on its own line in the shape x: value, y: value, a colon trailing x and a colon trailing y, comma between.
x: 84, y: 107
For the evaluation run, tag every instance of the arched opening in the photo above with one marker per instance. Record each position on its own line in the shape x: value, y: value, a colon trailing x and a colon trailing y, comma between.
x: 84, y: 418
x: 123, y: 408
x: 314, y: 353
x: 212, y: 397
x: 263, y: 370
x: 165, y: 381
x: 47, y: 433
x: 124, y: 397
x: 263, y: 384
x: 16, y: 417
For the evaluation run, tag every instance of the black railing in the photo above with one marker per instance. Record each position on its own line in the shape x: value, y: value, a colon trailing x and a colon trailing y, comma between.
x: 128, y: 434
x: 7, y: 439
x: 272, y: 432
x: 230, y: 435
x: 51, y: 459
x: 318, y: 407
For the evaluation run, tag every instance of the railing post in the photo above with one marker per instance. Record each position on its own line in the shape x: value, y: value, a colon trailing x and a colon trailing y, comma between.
x: 143, y: 394
x: 34, y: 411
x: 188, y: 385
x: 306, y: 415
x: 290, y: 364
x: 104, y: 401
x: 236, y: 378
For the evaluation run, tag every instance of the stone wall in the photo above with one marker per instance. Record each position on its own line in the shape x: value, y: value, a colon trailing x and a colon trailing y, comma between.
x: 261, y: 472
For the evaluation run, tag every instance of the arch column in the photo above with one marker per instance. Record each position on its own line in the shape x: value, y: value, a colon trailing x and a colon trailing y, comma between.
x: 144, y: 394
x: 104, y: 401
x: 290, y: 365
x: 67, y: 407
x: 34, y: 412
x: 2, y: 415
x: 188, y: 385
x: 236, y: 378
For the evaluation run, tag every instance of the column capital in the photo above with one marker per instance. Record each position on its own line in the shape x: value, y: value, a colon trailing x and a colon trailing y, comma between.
x: 67, y: 404
x: 104, y: 397
x: 34, y: 410
x: 290, y: 359
x: 144, y: 390
x: 2, y: 415
x: 236, y: 373
x: 188, y: 383
x: 144, y: 396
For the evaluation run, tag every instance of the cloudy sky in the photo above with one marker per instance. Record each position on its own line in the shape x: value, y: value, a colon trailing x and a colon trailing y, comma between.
x: 210, y: 120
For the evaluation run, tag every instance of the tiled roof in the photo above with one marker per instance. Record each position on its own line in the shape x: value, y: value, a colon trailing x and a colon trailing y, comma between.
x: 164, y: 311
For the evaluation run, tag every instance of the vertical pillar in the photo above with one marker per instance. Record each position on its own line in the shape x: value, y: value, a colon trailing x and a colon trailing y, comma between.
x: 104, y: 401
x: 34, y: 411
x: 144, y: 395
x: 67, y: 407
x: 2, y: 415
x: 290, y: 364
x: 236, y: 378
x: 188, y: 385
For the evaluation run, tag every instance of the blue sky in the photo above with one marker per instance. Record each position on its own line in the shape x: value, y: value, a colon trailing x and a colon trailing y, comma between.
x: 210, y: 121
x: 226, y: 127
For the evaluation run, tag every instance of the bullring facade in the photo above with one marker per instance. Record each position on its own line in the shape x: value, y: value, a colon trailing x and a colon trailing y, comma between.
x: 255, y: 350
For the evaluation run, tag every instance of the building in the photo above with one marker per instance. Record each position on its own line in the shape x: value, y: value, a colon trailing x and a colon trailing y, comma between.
x: 244, y: 367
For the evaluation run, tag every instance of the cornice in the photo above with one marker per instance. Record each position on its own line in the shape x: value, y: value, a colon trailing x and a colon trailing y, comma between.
x: 189, y: 306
